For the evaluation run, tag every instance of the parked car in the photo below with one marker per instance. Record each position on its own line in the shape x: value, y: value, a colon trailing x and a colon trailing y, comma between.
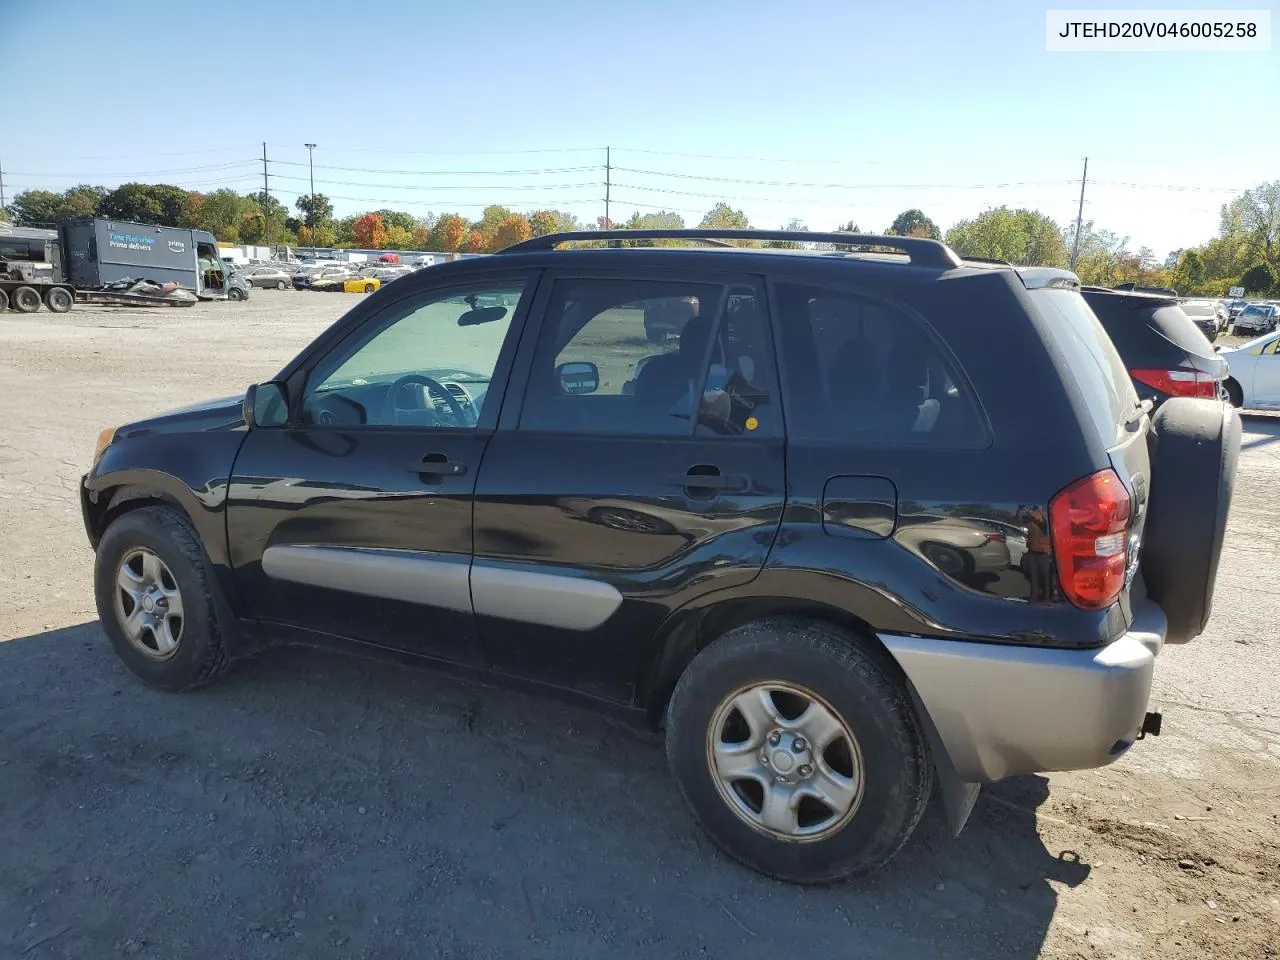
x: 307, y: 279
x: 1255, y: 373
x: 1204, y: 314
x: 346, y: 283
x: 1257, y: 318
x: 267, y: 277
x: 750, y: 568
x: 1234, y: 308
x: 1167, y: 355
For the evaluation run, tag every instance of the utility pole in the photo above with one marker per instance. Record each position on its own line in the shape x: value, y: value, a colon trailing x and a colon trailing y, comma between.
x: 312, y: 215
x: 1075, y: 247
x: 266, y: 198
x: 608, y: 170
x: 1, y: 186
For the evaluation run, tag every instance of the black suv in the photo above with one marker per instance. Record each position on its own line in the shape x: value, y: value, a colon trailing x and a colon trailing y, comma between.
x: 870, y: 521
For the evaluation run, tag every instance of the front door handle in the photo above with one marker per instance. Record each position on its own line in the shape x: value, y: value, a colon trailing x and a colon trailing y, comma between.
x: 437, y: 464
x: 702, y: 478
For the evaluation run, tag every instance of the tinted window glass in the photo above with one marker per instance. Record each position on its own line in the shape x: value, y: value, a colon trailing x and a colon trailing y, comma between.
x: 1092, y: 359
x: 631, y: 356
x: 864, y: 371
x: 427, y: 362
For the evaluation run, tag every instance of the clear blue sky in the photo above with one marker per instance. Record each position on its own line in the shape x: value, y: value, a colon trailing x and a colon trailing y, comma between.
x: 949, y: 107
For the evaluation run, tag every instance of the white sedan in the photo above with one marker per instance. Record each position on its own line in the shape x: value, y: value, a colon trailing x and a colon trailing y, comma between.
x: 1254, y: 373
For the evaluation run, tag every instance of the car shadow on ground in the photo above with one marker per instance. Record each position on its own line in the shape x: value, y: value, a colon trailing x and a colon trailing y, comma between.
x: 324, y: 805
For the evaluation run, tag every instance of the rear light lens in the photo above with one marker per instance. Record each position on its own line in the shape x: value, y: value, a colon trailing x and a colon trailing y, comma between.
x: 1178, y: 383
x: 1090, y: 523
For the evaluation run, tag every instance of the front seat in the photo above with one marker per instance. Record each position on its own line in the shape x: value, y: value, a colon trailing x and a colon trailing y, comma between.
x: 665, y: 379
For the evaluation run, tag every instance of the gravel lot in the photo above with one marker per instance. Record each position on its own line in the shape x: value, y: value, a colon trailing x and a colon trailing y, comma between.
x: 324, y: 806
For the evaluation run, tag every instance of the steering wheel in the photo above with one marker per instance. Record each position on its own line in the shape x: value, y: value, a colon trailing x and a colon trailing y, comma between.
x: 391, y: 408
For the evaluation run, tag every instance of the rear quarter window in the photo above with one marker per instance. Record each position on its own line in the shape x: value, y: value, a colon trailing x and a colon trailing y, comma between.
x: 1091, y: 358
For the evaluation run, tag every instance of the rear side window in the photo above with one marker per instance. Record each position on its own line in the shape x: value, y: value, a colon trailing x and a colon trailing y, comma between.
x: 1092, y: 359
x: 863, y: 371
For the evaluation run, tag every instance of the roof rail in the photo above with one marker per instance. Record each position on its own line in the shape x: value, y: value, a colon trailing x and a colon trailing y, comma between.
x: 996, y: 260
x: 922, y: 252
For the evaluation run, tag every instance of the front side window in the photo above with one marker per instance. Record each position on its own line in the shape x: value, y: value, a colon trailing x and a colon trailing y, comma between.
x: 650, y: 358
x: 428, y: 362
x: 864, y: 371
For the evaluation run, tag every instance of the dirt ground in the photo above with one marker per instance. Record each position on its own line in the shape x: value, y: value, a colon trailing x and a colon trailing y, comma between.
x: 323, y: 806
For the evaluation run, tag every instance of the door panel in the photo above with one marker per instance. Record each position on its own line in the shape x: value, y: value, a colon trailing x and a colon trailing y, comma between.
x: 355, y: 519
x: 1266, y: 377
x: 599, y: 514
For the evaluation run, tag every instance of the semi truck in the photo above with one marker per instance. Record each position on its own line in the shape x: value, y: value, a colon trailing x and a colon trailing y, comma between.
x: 87, y: 255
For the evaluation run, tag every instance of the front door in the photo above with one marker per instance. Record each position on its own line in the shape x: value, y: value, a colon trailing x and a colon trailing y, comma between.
x: 1266, y: 376
x: 355, y: 519
x: 640, y: 472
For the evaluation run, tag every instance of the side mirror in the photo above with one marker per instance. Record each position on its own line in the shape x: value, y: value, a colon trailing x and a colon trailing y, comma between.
x: 578, y: 377
x: 265, y: 405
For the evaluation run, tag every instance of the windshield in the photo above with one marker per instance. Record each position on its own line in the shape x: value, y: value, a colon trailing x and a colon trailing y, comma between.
x: 1198, y: 309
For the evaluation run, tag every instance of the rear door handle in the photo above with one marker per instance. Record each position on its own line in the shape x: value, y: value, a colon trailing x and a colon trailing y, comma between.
x: 438, y: 465
x: 726, y: 482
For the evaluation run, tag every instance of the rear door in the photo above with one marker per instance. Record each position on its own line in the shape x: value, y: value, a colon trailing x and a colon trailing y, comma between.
x: 635, y: 476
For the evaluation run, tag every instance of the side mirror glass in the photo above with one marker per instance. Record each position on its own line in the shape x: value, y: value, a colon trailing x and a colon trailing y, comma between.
x: 266, y: 405
x: 578, y: 377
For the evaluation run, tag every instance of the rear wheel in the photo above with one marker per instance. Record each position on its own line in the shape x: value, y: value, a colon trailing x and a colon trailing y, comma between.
x: 59, y: 299
x: 155, y: 597
x: 797, y: 751
x: 4, y: 301
x: 1235, y: 393
x: 280, y: 284
x: 26, y: 300
x: 369, y: 288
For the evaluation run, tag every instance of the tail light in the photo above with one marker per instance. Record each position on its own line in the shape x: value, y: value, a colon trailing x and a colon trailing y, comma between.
x: 1090, y: 522
x: 1178, y: 383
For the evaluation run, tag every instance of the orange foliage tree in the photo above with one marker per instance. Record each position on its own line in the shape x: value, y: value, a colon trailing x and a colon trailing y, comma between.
x: 449, y: 233
x: 475, y: 242
x: 513, y: 229
x: 369, y: 232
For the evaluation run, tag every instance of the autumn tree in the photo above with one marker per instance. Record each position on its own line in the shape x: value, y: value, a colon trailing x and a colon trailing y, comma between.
x: 421, y: 237
x: 1254, y: 217
x: 369, y: 232
x: 449, y: 234
x: 475, y: 242
x: 514, y: 229
x: 397, y: 218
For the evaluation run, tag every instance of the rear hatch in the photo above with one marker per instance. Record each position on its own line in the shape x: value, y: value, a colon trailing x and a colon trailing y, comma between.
x: 1163, y: 350
x: 1119, y: 419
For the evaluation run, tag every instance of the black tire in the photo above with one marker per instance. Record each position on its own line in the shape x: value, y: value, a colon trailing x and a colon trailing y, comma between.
x: 235, y: 294
x: 26, y: 300
x: 1235, y: 393
x: 4, y: 301
x: 200, y: 656
x: 369, y: 288
x: 59, y: 299
x: 856, y: 684
x: 280, y: 284
x: 1195, y: 445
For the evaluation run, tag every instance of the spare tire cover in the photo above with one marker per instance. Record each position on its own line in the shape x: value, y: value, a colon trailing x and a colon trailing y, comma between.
x: 1194, y: 446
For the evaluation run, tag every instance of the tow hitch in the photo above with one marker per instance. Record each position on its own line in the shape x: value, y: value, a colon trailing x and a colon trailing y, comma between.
x: 1150, y: 725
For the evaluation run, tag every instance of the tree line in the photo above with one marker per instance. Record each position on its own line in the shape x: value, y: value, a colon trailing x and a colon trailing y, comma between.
x: 1245, y: 252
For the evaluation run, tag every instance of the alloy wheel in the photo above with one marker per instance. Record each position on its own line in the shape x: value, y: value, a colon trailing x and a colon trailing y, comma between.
x: 149, y: 604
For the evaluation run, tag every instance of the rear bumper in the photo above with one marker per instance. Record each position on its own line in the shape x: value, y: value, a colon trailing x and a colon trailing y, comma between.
x: 1002, y: 710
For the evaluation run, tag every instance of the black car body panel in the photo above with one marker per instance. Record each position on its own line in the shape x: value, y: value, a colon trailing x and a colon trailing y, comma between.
x: 917, y: 536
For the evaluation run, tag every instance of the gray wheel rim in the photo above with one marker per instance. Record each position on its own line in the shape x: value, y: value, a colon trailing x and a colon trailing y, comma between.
x: 785, y: 761
x: 149, y: 604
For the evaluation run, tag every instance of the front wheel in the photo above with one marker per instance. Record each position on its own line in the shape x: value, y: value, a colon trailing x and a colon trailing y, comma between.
x: 59, y: 299
x: 235, y: 294
x: 798, y: 751
x: 280, y: 284
x: 155, y: 596
x: 369, y: 288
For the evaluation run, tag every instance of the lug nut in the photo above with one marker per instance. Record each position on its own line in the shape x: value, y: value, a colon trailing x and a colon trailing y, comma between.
x: 804, y: 770
x: 764, y: 758
x: 799, y: 745
x: 775, y: 738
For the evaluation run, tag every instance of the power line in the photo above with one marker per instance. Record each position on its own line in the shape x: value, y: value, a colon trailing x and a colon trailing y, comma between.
x: 446, y: 186
x: 445, y: 173
x: 463, y: 153
x: 844, y: 186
